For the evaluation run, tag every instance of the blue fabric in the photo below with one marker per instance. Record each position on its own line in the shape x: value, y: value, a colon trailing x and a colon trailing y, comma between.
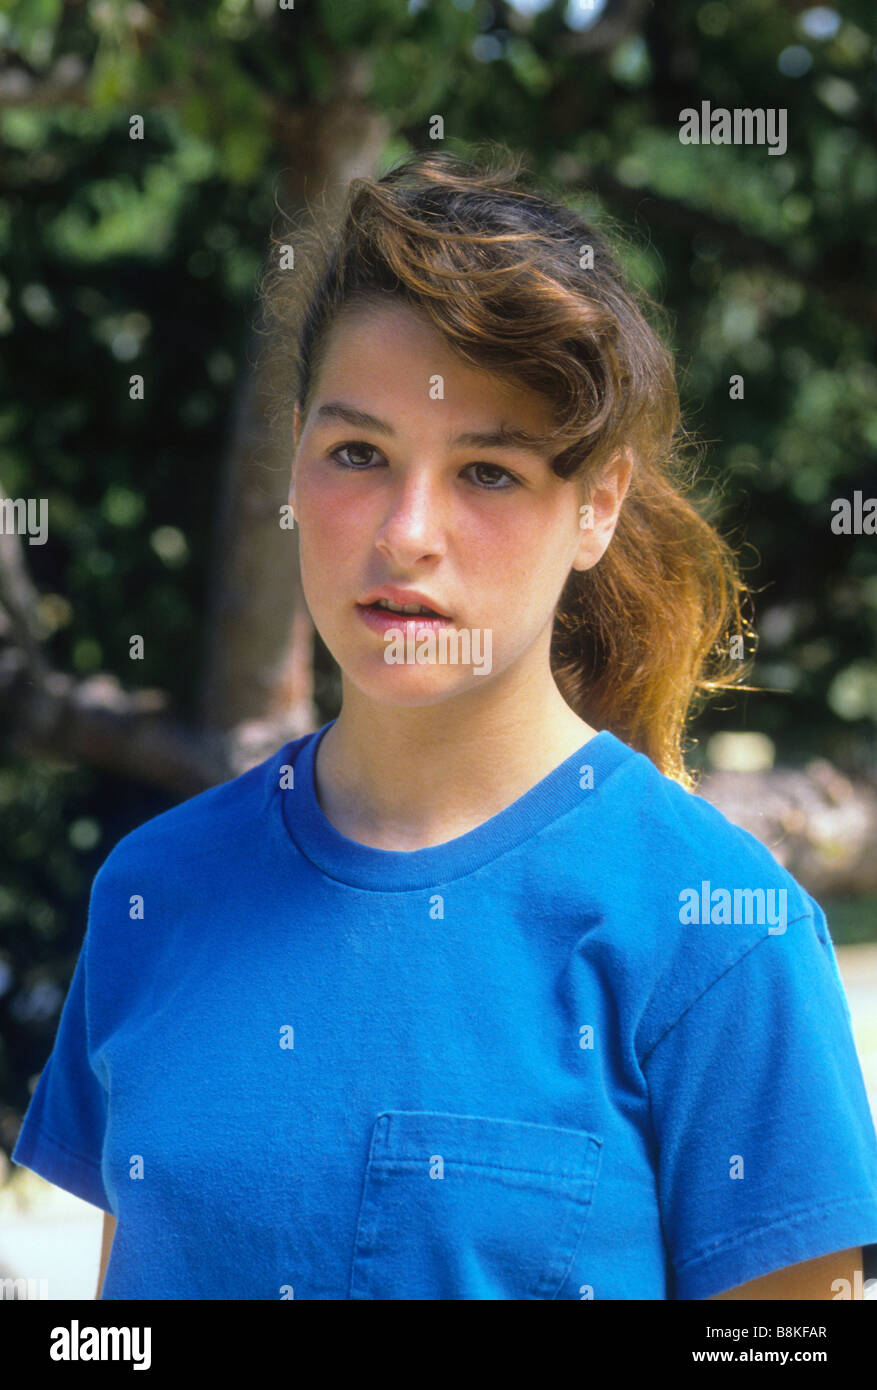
x: 497, y: 1068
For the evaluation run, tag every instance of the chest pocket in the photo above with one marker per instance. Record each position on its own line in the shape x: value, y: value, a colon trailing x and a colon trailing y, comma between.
x: 466, y: 1206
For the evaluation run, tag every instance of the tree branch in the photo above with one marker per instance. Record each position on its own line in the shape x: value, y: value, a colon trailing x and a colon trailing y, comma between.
x: 68, y: 83
x: 18, y: 600
x: 818, y: 823
x: 747, y: 247
x: 95, y: 722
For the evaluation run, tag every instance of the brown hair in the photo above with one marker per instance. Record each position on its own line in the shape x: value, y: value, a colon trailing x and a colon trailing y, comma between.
x: 504, y: 274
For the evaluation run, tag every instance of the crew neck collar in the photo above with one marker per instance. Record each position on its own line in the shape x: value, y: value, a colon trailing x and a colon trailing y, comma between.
x: 364, y: 866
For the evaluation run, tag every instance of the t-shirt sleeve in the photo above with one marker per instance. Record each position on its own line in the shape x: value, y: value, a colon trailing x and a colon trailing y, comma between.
x: 767, y: 1153
x: 62, y: 1134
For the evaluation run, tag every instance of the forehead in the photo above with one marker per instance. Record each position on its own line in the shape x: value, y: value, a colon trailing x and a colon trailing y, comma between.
x: 387, y: 353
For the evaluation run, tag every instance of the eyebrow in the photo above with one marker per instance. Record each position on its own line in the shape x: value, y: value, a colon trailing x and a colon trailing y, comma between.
x: 503, y: 437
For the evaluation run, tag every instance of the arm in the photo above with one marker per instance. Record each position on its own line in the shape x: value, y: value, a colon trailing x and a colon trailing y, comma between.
x: 809, y: 1279
x: 109, y: 1231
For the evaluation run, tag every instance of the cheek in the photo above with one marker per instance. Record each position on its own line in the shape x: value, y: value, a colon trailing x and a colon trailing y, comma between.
x: 502, y: 538
x: 331, y: 521
x: 517, y: 555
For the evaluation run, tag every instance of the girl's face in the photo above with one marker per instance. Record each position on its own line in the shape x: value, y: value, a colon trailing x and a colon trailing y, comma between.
x: 484, y: 530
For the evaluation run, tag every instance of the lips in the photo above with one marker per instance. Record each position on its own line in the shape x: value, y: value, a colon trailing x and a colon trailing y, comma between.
x: 382, y: 620
x: 404, y: 596
x: 427, y: 611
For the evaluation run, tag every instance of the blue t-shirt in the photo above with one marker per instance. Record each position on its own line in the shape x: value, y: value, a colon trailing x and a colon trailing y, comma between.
x: 596, y: 1047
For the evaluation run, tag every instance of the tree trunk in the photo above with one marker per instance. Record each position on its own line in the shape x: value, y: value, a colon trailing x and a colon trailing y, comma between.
x: 259, y: 666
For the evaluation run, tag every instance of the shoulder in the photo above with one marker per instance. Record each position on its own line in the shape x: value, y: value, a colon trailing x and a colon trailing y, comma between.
x: 681, y: 835
x: 700, y: 896
x: 203, y: 833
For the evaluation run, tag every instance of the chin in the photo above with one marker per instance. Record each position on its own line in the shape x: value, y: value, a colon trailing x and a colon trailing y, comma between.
x: 406, y: 687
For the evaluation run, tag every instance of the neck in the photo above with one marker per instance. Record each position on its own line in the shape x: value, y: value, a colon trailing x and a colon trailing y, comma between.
x: 406, y: 777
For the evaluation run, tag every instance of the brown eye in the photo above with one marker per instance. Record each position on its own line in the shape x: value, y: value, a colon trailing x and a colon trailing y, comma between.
x: 359, y: 448
x: 495, y: 469
x: 355, y: 447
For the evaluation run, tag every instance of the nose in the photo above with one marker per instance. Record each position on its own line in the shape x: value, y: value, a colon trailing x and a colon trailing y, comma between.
x: 413, y: 525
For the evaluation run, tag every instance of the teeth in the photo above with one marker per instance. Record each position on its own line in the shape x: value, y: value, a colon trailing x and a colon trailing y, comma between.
x: 401, y: 607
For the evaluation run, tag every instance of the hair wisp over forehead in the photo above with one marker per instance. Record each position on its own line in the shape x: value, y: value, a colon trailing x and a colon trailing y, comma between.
x: 521, y: 286
x: 497, y: 270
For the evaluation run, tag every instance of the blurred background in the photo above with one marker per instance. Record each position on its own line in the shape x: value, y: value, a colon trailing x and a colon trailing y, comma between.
x: 136, y: 250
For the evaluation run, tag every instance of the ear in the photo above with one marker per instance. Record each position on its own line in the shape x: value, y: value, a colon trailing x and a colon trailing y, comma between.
x: 599, y: 516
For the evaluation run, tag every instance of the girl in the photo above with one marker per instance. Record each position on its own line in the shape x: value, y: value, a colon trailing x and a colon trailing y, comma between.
x: 466, y: 995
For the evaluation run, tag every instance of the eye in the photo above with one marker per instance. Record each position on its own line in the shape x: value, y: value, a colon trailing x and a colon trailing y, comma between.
x: 360, y: 446
x: 355, y: 444
x: 495, y: 468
